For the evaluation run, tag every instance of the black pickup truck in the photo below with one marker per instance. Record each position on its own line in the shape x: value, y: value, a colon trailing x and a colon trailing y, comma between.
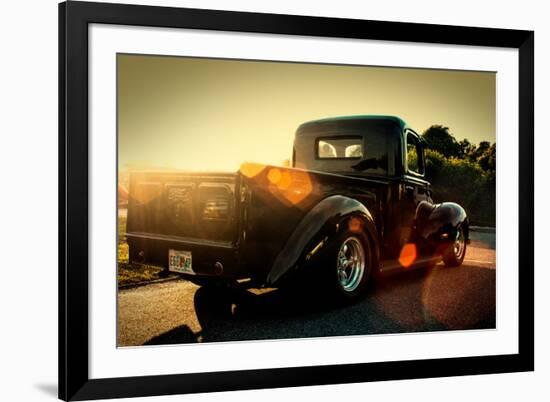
x: 354, y: 203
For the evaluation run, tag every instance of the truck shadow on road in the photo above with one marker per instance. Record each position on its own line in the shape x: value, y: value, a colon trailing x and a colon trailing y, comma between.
x: 434, y: 300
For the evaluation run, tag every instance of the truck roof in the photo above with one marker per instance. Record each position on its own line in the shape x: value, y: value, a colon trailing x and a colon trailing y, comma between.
x: 394, y: 119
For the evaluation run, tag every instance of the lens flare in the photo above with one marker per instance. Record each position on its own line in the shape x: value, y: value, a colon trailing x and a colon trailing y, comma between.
x: 408, y: 255
x: 289, y: 185
x: 251, y: 170
x: 274, y: 176
x: 354, y: 224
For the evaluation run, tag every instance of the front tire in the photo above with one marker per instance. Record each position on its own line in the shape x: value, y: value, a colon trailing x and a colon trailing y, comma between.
x: 454, y: 254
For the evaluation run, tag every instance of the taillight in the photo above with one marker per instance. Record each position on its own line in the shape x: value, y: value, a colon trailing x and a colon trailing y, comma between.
x: 216, y: 208
x: 215, y: 202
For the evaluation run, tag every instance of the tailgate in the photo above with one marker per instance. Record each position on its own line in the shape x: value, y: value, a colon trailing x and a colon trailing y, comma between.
x: 185, y: 205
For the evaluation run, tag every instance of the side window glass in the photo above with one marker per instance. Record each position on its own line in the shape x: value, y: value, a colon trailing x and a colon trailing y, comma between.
x: 415, y: 157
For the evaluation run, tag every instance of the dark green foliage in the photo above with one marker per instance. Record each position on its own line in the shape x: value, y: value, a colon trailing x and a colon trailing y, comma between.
x: 439, y: 139
x: 488, y: 159
x: 478, y: 151
x: 466, y: 148
x: 484, y: 154
x: 462, y: 181
x: 461, y: 172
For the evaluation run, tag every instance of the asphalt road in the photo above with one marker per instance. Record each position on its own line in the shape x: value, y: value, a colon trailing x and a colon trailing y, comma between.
x: 439, y: 299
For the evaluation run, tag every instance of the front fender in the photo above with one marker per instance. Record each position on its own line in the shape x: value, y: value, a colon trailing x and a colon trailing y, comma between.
x: 314, y: 232
x: 438, y: 223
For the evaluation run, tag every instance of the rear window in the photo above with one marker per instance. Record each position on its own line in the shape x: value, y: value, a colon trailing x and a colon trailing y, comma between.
x: 340, y: 148
x: 348, y: 145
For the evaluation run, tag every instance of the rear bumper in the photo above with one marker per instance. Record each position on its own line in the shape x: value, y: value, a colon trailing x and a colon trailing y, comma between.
x: 207, y: 255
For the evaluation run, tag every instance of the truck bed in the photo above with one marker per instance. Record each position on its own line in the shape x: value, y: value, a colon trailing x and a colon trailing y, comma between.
x: 241, y: 220
x: 184, y: 205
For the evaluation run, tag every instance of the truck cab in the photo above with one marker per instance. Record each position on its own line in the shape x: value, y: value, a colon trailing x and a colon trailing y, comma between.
x: 379, y: 148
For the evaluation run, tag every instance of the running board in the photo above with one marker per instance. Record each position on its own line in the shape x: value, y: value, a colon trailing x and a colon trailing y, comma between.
x: 392, y: 266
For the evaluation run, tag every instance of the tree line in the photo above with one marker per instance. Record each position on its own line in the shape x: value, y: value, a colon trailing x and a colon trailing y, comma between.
x: 462, y: 172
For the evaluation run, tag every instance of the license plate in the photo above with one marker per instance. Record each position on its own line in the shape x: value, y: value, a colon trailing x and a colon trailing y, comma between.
x: 180, y: 261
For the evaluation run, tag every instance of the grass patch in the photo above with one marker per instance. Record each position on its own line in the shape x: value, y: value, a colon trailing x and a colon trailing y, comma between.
x: 129, y: 274
x: 121, y: 229
x: 123, y: 253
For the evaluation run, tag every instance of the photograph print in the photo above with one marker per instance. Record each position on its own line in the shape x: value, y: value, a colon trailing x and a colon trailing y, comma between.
x: 281, y: 200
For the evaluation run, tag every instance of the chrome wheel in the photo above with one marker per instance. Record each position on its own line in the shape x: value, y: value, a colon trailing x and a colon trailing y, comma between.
x: 459, y: 246
x: 454, y: 254
x: 350, y: 264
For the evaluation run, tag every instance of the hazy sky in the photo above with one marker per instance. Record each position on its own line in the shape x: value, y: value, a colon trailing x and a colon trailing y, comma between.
x: 206, y: 114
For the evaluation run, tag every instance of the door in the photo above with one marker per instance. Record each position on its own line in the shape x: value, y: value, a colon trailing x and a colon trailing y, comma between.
x: 414, y: 187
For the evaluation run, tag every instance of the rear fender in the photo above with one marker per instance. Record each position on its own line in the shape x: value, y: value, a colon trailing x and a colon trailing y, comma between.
x: 315, y: 231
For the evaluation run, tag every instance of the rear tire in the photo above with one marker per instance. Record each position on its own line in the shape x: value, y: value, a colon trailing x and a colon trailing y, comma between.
x: 454, y: 254
x: 350, y: 261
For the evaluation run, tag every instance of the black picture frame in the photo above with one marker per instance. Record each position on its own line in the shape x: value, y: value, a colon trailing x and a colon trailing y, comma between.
x: 74, y: 381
